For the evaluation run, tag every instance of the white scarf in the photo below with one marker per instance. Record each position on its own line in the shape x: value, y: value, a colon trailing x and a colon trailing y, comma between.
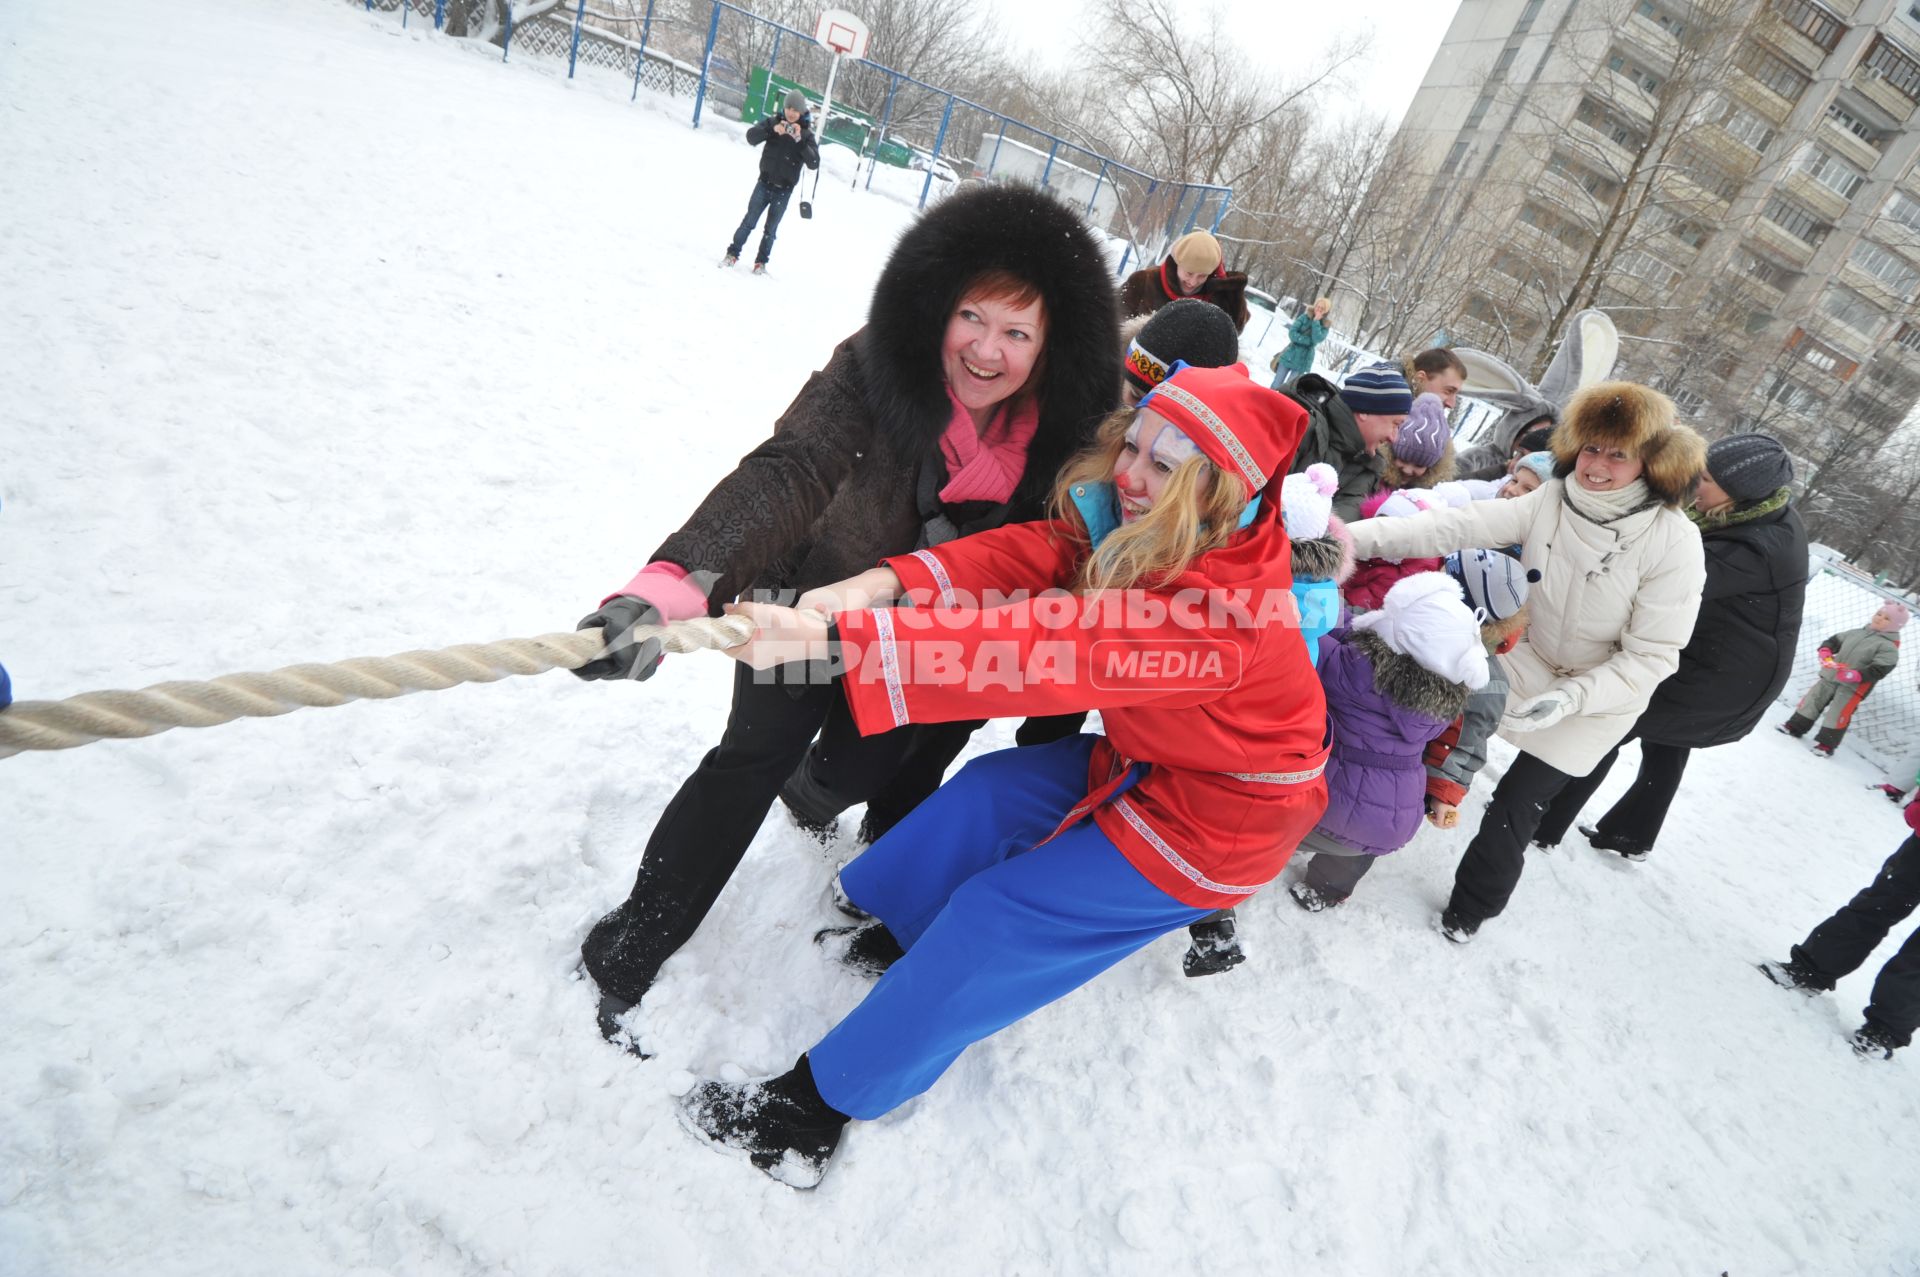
x: 1605, y: 507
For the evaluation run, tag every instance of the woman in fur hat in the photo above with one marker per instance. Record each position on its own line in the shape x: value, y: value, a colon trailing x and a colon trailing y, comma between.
x: 1621, y: 573
x: 1033, y: 870
x: 1740, y: 654
x: 986, y: 362
x: 1195, y: 267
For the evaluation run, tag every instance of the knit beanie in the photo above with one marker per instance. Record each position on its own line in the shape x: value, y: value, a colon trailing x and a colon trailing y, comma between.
x: 1541, y: 463
x: 1493, y: 582
x: 1244, y: 428
x: 1196, y: 253
x: 1306, y: 499
x: 1191, y: 331
x: 1423, y: 617
x: 796, y: 101
x: 1749, y: 467
x: 1893, y: 609
x: 1423, y: 436
x: 1380, y: 390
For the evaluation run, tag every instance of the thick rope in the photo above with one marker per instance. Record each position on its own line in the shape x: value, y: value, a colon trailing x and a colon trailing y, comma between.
x: 92, y: 716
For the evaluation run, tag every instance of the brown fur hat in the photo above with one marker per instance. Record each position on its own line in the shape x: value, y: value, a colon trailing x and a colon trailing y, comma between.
x: 1639, y: 421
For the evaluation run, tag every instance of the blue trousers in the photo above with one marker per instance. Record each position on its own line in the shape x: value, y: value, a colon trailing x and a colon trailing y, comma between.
x: 774, y: 203
x: 994, y: 927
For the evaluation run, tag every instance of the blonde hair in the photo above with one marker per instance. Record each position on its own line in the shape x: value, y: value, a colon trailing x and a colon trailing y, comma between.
x: 1197, y: 511
x: 1321, y: 303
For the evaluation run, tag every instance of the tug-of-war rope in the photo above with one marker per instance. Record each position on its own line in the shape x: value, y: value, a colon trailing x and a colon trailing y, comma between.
x: 92, y: 716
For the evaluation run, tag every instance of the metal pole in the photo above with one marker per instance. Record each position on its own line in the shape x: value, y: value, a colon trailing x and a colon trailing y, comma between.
x: 706, y: 61
x: 1047, y: 172
x: 646, y: 29
x: 439, y: 14
x: 1098, y: 182
x: 886, y: 116
x: 774, y: 57
x: 994, y: 162
x: 1226, y: 197
x: 573, y: 55
x: 404, y: 6
x: 938, y: 142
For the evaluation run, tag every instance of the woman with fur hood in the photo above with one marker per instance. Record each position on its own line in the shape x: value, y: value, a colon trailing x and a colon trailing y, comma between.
x: 1621, y: 571
x: 987, y: 361
x: 1394, y: 681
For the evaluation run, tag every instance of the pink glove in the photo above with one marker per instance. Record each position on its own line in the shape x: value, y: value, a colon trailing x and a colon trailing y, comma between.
x: 1826, y: 656
x: 1846, y: 675
x: 665, y: 585
x: 1913, y: 814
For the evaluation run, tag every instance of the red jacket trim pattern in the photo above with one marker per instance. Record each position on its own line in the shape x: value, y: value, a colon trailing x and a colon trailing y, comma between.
x: 1172, y: 857
x: 941, y: 580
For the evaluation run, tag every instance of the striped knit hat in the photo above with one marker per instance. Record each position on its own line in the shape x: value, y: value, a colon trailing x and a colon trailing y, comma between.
x: 1493, y: 582
x: 1243, y: 428
x: 1379, y: 390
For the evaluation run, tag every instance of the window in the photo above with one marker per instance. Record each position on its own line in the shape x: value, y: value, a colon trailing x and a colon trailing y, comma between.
x: 1768, y: 273
x: 1819, y: 356
x: 1705, y: 173
x: 1886, y: 267
x: 1620, y: 64
x: 1851, y: 309
x: 1886, y: 60
x: 1458, y: 153
x: 1904, y: 209
x: 1689, y: 402
x: 1527, y: 15
x: 1645, y: 266
x: 1654, y: 13
x: 1795, y: 220
x: 1841, y: 178
x: 1692, y: 234
x: 1908, y: 337
x: 1852, y: 123
x: 1504, y: 61
x: 1775, y: 72
x: 1811, y: 21
x: 1749, y: 128
x: 1479, y: 111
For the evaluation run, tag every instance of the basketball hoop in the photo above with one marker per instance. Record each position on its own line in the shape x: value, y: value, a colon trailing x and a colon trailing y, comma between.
x: 842, y: 32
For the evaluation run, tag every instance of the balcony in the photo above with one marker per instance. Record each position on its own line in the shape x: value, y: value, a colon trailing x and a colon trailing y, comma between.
x: 1572, y: 199
x: 1750, y: 93
x: 1875, y: 87
x: 1871, y: 287
x: 1847, y: 144
x: 1783, y: 243
x: 1626, y: 97
x: 1539, y: 245
x: 1791, y: 44
x: 1823, y: 200
x: 1683, y: 193
x: 1651, y: 38
x: 1592, y: 143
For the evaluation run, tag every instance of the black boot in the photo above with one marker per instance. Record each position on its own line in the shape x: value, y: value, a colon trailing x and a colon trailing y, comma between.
x: 1311, y: 898
x: 781, y: 1124
x: 1457, y: 927
x: 823, y: 832
x: 1215, y: 947
x: 1625, y: 848
x: 1796, y: 726
x: 611, y: 957
x: 1873, y: 1041
x: 868, y: 949
x: 1796, y: 975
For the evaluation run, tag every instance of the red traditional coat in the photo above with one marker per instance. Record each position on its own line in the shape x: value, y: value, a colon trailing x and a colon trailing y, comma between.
x: 1206, y: 680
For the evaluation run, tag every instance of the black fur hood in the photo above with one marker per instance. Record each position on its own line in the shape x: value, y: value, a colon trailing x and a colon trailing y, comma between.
x: 1028, y: 232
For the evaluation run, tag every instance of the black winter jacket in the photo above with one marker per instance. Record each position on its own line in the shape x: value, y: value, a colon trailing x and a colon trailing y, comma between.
x: 784, y: 155
x: 838, y: 485
x: 1743, y: 642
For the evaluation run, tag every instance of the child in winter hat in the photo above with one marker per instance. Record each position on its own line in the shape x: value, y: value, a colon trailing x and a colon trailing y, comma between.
x: 1852, y: 663
x: 1423, y: 436
x: 1529, y: 472
x: 1494, y: 584
x: 1189, y: 331
x: 1322, y: 554
x: 1394, y: 681
x: 1367, y: 588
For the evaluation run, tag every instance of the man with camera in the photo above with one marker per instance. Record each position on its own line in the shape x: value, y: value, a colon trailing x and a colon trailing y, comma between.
x: 787, y: 146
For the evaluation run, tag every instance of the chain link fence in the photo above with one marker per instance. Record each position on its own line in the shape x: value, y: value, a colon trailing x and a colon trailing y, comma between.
x: 915, y: 140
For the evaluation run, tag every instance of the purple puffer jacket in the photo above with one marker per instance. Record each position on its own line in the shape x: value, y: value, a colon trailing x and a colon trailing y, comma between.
x: 1376, y: 780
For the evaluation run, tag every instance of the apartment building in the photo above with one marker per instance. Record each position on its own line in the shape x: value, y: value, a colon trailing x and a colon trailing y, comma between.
x: 1771, y: 265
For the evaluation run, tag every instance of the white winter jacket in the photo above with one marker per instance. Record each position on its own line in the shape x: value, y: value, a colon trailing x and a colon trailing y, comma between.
x: 1612, y: 608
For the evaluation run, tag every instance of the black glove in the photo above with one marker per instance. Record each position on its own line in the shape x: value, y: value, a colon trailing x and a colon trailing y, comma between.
x: 623, y: 657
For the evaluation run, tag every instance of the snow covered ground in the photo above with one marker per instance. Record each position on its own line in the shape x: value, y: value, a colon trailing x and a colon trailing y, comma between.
x: 323, y: 340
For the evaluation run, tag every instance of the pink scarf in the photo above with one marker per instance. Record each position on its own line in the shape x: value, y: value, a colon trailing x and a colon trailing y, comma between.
x: 986, y: 467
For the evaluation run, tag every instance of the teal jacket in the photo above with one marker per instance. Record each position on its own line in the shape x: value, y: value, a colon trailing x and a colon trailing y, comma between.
x: 1303, y: 334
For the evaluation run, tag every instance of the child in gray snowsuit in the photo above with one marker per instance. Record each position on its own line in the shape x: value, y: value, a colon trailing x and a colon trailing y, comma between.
x: 1851, y: 662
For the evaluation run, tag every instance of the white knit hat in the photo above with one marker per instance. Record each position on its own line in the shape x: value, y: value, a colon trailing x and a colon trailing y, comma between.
x: 1306, y: 501
x: 1423, y: 617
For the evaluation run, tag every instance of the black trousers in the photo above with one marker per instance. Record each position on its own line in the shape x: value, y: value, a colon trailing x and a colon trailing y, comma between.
x: 1636, y: 819
x: 707, y: 826
x: 1335, y: 877
x: 1843, y: 942
x: 1491, y: 868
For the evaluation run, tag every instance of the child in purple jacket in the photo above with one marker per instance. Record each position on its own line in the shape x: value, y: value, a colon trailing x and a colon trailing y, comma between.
x: 1394, y: 680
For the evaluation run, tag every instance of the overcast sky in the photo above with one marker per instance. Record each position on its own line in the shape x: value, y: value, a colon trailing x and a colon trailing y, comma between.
x: 1280, y: 34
